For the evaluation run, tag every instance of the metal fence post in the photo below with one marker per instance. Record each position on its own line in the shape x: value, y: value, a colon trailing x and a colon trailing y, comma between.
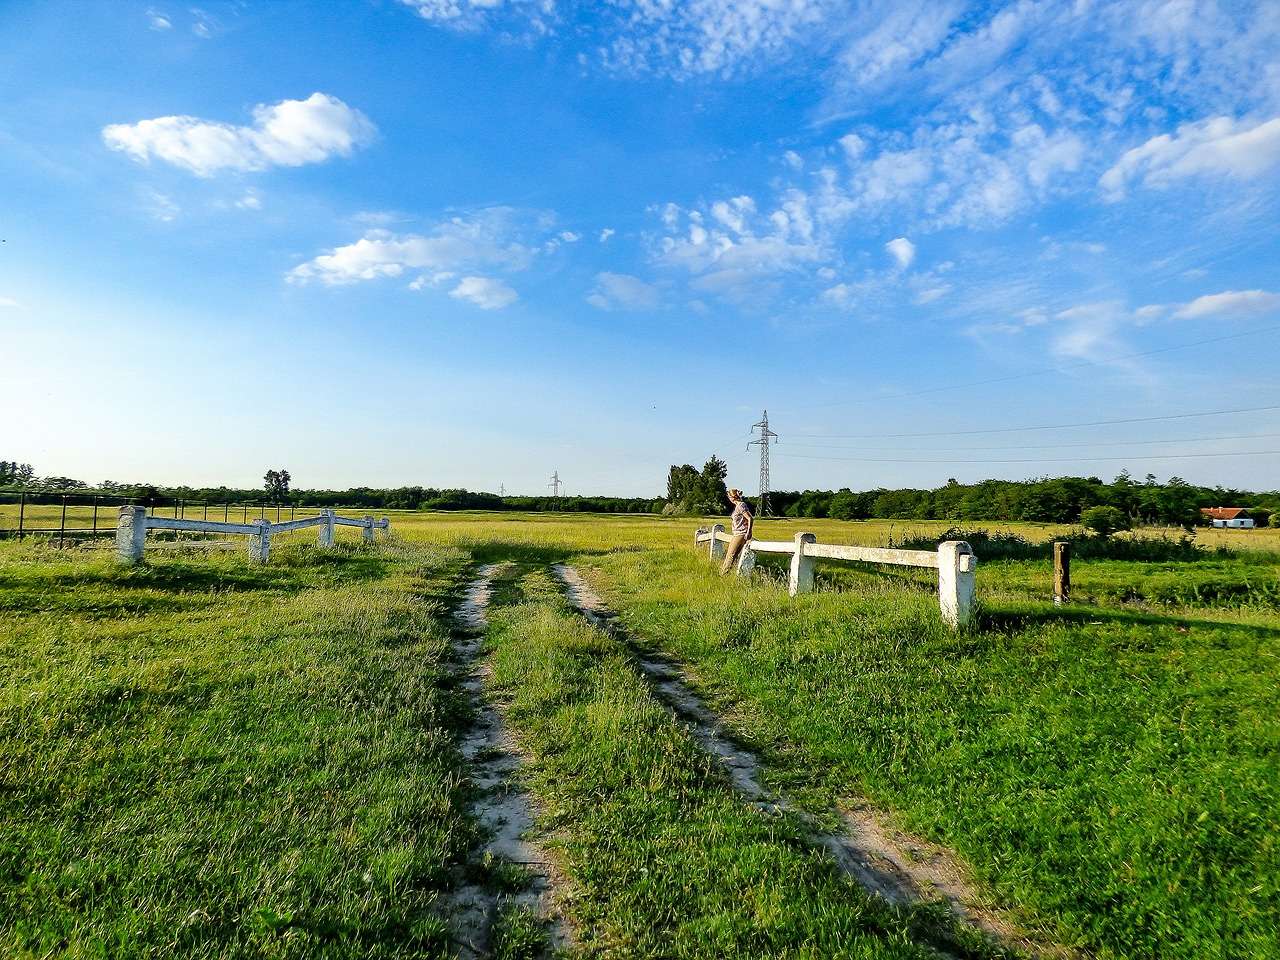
x: 95, y: 514
x: 957, y: 568
x: 131, y: 533
x: 22, y: 513
x: 801, y: 578
x: 62, y: 528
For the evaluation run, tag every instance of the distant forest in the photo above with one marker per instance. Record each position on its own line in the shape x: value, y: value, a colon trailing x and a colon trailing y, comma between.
x: 1173, y: 502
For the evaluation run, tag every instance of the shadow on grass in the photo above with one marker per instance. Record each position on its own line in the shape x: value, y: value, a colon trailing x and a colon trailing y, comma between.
x: 1010, y: 621
x: 498, y: 551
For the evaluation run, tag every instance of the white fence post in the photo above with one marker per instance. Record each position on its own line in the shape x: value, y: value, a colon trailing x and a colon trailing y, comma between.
x: 801, y: 579
x: 386, y: 525
x: 696, y: 534
x: 131, y: 534
x: 957, y: 577
x: 260, y: 542
x: 325, y: 538
x: 746, y: 561
x: 368, y: 528
x: 716, y: 550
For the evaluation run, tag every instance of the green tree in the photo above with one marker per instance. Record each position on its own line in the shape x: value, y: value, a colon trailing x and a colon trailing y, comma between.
x: 276, y: 485
x: 1104, y: 521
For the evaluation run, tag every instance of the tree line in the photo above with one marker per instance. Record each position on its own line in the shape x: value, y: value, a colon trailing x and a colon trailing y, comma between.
x: 1148, y: 501
x: 1173, y: 502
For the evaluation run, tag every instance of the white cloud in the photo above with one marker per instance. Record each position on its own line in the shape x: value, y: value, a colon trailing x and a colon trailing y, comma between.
x: 473, y: 14
x: 930, y: 294
x: 289, y: 133
x: 203, y: 24
x: 1227, y: 305
x: 568, y: 236
x: 606, y: 233
x: 614, y: 291
x: 8, y: 303
x: 721, y: 37
x: 793, y: 160
x: 160, y: 206
x: 1217, y: 146
x: 730, y: 245
x: 252, y: 200
x: 902, y: 250
x: 158, y: 21
x: 485, y: 292
x: 1230, y: 303
x: 491, y: 238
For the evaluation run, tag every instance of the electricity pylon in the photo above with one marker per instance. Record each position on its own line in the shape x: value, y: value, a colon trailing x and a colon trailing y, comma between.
x: 766, y: 437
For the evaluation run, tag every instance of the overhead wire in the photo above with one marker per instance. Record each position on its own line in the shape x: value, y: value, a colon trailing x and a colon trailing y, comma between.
x: 1048, y: 426
x: 1060, y: 368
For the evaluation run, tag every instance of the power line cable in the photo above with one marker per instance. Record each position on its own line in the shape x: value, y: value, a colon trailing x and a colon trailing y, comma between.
x: 1049, y: 426
x: 1138, y: 457
x: 1046, y: 446
x: 1061, y: 368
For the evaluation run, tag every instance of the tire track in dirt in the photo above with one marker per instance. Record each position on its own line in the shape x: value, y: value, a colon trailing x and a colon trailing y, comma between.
x: 900, y: 869
x: 502, y: 808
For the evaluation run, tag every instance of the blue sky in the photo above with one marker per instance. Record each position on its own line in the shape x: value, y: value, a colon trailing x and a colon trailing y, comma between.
x: 453, y: 242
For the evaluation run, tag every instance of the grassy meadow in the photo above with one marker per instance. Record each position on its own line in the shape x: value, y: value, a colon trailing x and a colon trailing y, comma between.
x: 205, y: 758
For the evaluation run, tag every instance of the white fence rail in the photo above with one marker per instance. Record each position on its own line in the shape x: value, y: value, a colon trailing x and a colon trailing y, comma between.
x: 954, y: 560
x: 132, y: 527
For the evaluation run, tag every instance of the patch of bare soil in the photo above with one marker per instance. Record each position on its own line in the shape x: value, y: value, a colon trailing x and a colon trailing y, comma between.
x: 887, y: 862
x: 503, y: 808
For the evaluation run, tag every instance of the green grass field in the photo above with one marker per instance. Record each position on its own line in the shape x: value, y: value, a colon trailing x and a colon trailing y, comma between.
x: 203, y: 758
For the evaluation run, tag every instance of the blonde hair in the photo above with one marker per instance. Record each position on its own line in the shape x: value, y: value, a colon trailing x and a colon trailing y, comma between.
x: 735, y: 493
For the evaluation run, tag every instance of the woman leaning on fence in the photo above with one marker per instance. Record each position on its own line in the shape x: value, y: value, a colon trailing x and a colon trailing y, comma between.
x: 743, y: 520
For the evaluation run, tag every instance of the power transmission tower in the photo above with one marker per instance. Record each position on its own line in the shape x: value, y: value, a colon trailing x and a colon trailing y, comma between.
x: 502, y: 489
x: 555, y: 487
x: 766, y: 437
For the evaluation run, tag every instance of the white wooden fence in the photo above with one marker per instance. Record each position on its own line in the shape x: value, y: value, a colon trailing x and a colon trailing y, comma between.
x: 132, y: 527
x: 954, y: 560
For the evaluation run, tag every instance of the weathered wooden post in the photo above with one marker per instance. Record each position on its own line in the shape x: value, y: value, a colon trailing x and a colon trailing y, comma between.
x: 260, y: 542
x: 716, y: 550
x: 368, y: 528
x: 801, y: 579
x: 325, y: 539
x: 1061, y: 572
x: 957, y: 568
x: 131, y: 533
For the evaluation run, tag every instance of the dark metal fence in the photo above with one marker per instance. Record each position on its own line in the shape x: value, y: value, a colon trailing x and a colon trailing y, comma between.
x: 75, y: 516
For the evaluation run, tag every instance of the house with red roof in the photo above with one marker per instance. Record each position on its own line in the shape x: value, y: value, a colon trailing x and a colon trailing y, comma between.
x: 1235, y: 518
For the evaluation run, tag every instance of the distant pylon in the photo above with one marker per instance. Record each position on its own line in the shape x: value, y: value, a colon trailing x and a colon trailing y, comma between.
x: 766, y: 437
x: 555, y: 486
x: 502, y: 489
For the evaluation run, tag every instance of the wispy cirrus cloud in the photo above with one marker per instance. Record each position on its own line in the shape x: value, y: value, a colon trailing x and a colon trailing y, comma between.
x: 622, y: 291
x: 290, y: 133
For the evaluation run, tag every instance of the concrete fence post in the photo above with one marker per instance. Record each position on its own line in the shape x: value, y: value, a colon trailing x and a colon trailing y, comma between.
x: 696, y: 534
x: 746, y: 561
x: 368, y: 528
x: 716, y: 550
x: 957, y: 576
x: 131, y: 534
x: 260, y: 542
x: 325, y: 538
x: 801, y: 579
x: 386, y: 525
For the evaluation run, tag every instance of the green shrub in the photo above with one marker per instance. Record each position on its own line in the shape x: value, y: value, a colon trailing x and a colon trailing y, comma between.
x: 1104, y: 521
